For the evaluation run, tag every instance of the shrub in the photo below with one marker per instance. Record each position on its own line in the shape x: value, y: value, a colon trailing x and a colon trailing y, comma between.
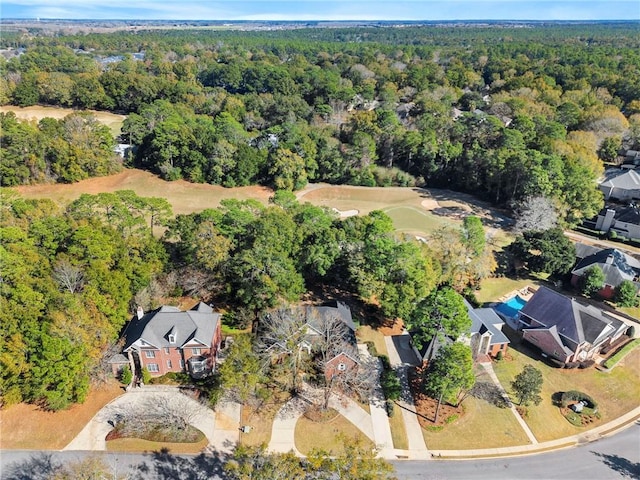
x: 126, y: 375
x: 451, y: 418
x: 373, y: 351
x: 146, y: 376
x: 390, y: 384
x: 613, y: 234
x: 386, y: 364
x: 390, y: 408
x: 499, y: 356
x: 574, y: 418
x: 631, y: 331
x: 573, y: 396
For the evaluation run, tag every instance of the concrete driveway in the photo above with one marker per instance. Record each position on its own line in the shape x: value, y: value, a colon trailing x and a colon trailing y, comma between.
x: 224, y: 438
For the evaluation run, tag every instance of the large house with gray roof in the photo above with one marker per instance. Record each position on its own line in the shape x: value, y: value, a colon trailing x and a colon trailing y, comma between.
x: 623, y: 186
x: 171, y: 340
x: 566, y: 330
x: 616, y: 266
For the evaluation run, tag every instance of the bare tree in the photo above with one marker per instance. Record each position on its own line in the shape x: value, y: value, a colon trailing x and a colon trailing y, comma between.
x: 282, y: 338
x: 535, y: 214
x: 69, y: 277
x: 172, y: 412
x: 356, y: 379
x: 338, y: 361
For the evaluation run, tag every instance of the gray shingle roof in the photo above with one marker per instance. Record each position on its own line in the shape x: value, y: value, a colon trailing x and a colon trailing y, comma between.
x: 192, y: 326
x: 573, y: 320
x: 616, y: 265
x: 314, y: 314
x: 487, y: 319
x: 629, y: 180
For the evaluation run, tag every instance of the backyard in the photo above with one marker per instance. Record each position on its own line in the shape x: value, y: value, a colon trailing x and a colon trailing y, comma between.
x: 616, y: 392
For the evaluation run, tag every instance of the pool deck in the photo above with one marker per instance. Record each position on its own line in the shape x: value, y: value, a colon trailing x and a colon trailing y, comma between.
x: 525, y: 293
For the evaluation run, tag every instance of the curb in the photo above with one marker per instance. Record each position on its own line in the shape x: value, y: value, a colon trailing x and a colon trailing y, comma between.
x: 562, y: 443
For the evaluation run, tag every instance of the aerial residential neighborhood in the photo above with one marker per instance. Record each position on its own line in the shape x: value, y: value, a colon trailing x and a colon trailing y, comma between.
x: 300, y: 243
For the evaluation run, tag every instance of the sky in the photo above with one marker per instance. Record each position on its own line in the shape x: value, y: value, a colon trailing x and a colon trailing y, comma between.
x: 323, y: 9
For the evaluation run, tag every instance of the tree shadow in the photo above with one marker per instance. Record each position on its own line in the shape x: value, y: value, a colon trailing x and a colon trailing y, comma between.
x: 163, y: 465
x: 621, y: 465
x: 40, y: 466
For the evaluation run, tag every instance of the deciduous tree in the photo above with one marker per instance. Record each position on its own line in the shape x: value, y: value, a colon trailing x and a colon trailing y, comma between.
x: 527, y: 385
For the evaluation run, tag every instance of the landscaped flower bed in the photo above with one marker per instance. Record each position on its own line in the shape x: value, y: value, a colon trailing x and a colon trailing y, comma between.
x: 578, y: 408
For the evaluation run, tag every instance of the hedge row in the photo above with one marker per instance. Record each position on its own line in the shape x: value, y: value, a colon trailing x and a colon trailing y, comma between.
x: 623, y: 352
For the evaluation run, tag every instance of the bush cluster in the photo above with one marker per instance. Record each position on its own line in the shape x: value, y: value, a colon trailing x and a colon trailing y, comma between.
x: 573, y: 396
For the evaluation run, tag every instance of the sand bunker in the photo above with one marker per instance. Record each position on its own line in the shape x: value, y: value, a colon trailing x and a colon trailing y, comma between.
x: 346, y: 213
x: 429, y: 204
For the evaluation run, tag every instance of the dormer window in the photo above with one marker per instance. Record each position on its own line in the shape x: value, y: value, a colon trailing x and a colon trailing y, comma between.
x: 172, y: 338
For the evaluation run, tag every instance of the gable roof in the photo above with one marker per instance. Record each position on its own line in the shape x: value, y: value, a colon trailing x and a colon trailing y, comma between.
x: 615, y: 265
x: 574, y: 321
x: 547, y: 336
x: 629, y: 180
x: 485, y: 320
x: 195, y: 326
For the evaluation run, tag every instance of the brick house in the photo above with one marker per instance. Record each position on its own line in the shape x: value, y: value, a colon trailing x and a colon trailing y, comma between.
x: 565, y: 329
x: 616, y: 266
x: 170, y: 340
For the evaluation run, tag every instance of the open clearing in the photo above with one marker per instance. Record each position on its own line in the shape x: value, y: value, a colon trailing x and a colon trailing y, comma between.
x: 405, y: 205
x: 37, y: 112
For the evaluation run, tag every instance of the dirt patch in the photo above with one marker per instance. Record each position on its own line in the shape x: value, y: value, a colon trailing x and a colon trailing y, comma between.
x: 183, y: 196
x: 27, y: 427
x: 426, y: 406
x: 390, y: 328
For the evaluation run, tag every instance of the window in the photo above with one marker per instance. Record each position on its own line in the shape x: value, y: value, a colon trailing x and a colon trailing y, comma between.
x: 195, y: 351
x: 169, y: 364
x: 341, y: 367
x: 172, y: 338
x: 153, y: 368
x: 150, y: 354
x: 182, y: 364
x: 166, y: 350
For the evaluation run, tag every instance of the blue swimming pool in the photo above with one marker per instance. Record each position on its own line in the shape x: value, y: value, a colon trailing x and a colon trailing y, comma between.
x: 511, y: 307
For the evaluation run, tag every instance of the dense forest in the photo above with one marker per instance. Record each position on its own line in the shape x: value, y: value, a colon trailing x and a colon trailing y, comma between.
x: 504, y: 113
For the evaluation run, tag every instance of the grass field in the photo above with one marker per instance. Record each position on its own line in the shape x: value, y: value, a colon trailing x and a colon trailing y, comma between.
x: 111, y: 120
x: 482, y: 426
x: 408, y: 207
x: 616, y: 392
x: 328, y: 435
x: 26, y: 427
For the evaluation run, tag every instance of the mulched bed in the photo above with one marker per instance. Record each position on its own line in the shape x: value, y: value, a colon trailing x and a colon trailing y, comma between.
x: 426, y: 406
x: 318, y: 415
x: 159, y: 433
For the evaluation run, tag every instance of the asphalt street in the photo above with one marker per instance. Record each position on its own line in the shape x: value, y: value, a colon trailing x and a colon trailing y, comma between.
x: 610, y: 458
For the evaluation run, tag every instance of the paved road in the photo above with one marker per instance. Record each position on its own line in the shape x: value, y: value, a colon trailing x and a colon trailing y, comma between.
x: 606, y: 459
x: 609, y: 458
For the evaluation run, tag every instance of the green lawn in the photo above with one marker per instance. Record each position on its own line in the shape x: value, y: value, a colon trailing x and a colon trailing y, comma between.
x: 416, y: 221
x: 616, y: 392
x: 491, y: 289
x: 482, y: 426
x: 327, y: 436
